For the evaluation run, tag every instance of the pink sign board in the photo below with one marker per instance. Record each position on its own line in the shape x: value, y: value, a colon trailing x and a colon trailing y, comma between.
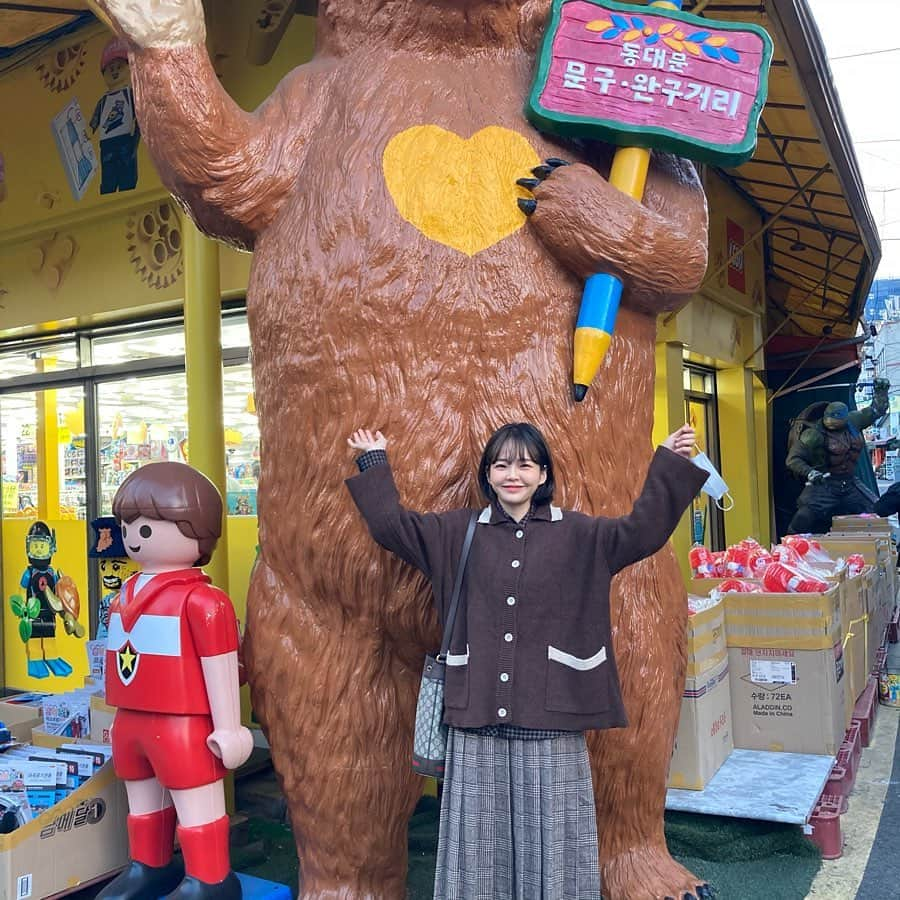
x: 642, y: 76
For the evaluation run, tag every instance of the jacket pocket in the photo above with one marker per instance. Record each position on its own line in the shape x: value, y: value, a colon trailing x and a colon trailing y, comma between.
x: 577, y: 684
x: 456, y: 677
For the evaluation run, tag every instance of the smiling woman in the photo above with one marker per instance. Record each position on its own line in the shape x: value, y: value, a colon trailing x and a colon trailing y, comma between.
x: 530, y: 659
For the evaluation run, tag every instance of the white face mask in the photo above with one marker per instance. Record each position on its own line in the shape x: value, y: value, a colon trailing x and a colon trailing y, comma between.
x: 715, y: 485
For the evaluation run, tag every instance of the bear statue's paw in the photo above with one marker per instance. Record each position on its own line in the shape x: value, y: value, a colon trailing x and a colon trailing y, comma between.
x: 650, y: 873
x: 165, y: 24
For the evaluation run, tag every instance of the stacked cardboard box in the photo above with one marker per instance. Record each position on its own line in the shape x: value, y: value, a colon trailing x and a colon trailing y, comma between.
x: 704, y: 739
x: 786, y: 663
x: 74, y: 841
x: 80, y: 835
x: 20, y: 718
x: 854, y: 640
x: 877, y: 550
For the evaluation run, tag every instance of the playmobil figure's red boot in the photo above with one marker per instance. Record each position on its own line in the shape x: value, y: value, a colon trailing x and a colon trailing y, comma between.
x: 153, y: 872
x: 206, y: 863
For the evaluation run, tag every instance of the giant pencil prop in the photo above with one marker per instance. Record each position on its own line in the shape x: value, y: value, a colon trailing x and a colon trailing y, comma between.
x: 645, y: 78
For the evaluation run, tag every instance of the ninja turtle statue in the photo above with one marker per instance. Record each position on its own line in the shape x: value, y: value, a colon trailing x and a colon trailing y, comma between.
x: 48, y: 594
x: 824, y: 444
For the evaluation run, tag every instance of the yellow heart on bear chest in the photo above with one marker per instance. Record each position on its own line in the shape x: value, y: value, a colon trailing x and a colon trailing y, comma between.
x: 459, y: 192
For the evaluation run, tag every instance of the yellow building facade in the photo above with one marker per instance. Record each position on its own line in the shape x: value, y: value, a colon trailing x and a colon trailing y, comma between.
x: 95, y: 289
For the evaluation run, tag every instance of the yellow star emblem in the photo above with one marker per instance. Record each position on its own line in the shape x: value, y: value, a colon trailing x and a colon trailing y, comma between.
x: 127, y: 659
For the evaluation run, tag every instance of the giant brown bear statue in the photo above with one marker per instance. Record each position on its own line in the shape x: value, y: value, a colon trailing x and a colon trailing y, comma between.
x: 396, y: 283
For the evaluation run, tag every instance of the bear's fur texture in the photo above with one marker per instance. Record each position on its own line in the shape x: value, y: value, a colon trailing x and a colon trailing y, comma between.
x: 358, y: 319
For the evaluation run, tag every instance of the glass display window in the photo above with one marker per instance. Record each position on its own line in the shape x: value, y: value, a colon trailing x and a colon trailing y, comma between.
x: 235, y: 331
x: 40, y: 430
x: 116, y: 347
x: 140, y: 420
x: 241, y: 441
x: 31, y: 358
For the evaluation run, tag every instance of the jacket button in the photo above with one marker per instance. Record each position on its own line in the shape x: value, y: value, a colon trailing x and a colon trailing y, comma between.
x: 508, y: 637
x: 520, y: 533
x: 515, y: 564
x: 501, y: 712
x: 504, y: 676
x: 510, y: 601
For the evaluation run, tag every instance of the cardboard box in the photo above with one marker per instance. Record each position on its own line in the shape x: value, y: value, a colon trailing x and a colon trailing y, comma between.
x: 73, y: 842
x: 876, y: 550
x: 40, y: 738
x: 867, y: 524
x: 855, y: 638
x: 102, y: 715
x: 706, y: 647
x: 20, y: 718
x: 701, y: 587
x: 786, y: 671
x: 704, y: 739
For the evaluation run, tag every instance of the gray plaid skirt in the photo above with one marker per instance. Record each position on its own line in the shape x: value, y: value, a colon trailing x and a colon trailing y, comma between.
x: 517, y: 820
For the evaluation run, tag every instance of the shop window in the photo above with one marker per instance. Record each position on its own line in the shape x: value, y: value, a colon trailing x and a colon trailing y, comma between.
x: 707, y: 523
x: 144, y: 419
x: 43, y: 454
x: 140, y: 420
x: 149, y: 343
x: 235, y: 332
x: 241, y: 440
x: 34, y: 359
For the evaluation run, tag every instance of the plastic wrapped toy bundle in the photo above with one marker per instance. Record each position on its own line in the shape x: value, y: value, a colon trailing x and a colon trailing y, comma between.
x: 738, y: 586
x: 700, y: 604
x: 702, y: 562
x: 781, y: 578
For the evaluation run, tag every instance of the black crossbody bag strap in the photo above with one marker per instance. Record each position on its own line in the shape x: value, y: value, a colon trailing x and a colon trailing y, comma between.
x: 457, y: 587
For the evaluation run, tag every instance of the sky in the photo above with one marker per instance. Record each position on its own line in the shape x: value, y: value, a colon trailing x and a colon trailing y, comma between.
x: 868, y: 80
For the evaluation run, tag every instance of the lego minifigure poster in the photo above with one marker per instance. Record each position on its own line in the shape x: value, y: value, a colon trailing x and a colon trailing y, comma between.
x: 45, y: 605
x: 75, y: 149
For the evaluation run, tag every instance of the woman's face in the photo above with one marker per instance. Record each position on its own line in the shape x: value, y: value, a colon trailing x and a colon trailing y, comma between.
x: 515, y: 477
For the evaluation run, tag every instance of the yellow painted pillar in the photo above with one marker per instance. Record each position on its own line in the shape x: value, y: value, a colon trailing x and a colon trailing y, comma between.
x: 203, y: 369
x: 668, y: 416
x: 203, y: 364
x: 762, y: 414
x: 739, y: 452
x: 47, y: 447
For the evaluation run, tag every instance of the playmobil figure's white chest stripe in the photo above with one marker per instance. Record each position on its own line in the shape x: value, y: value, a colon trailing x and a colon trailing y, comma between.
x: 156, y: 635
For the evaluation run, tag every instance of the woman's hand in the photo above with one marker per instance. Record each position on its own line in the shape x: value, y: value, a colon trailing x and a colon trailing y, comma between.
x: 363, y: 439
x: 681, y: 441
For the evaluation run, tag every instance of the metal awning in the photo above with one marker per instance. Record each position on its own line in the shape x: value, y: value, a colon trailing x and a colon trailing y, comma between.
x: 822, y: 250
x: 34, y: 23
x: 822, y: 247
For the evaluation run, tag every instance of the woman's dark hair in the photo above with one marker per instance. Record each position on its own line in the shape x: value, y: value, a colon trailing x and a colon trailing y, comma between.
x: 524, y: 440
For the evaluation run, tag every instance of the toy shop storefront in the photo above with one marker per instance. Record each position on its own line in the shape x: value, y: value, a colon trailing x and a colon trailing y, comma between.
x: 78, y: 413
x: 98, y: 374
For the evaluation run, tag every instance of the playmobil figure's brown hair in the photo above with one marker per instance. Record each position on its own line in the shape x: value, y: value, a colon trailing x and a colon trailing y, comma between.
x: 173, y: 492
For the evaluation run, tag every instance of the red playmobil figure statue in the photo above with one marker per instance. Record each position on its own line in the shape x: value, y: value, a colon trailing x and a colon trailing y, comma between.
x: 172, y: 671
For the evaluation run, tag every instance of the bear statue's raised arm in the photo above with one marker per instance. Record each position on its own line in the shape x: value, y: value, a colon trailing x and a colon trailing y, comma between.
x: 658, y: 248
x: 230, y: 168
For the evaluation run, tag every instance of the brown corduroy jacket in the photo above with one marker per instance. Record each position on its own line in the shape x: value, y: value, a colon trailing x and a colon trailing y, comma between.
x: 531, y: 645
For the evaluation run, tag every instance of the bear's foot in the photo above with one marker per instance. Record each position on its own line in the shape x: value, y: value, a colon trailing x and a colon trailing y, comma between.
x: 650, y: 873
